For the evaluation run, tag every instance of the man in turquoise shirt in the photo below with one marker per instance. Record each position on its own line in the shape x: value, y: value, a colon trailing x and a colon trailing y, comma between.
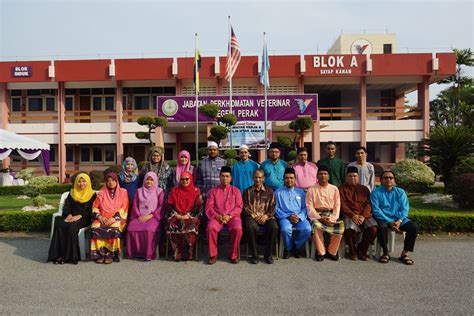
x: 242, y: 171
x: 274, y: 168
x: 390, y: 209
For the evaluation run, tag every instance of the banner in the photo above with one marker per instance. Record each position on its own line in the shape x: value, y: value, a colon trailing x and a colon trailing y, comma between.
x: 246, y: 108
x: 248, y: 133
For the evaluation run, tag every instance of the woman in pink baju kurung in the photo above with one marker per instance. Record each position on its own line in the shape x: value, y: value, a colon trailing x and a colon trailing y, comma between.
x: 142, y: 232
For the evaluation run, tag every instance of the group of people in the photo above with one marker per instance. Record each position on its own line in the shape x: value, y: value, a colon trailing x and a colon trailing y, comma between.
x: 298, y: 201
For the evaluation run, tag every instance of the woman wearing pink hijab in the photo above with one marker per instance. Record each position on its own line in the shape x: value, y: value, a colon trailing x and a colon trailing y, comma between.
x: 183, y: 163
x: 145, y: 219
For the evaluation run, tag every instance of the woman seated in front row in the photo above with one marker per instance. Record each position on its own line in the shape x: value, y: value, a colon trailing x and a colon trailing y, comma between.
x: 77, y: 211
x: 145, y: 219
x: 185, y: 208
x: 109, y: 217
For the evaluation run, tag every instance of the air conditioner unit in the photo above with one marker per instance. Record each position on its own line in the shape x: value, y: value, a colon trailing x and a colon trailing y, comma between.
x: 51, y: 71
x: 302, y: 64
x: 112, y: 69
x: 435, y: 62
x: 174, y: 67
x: 217, y: 66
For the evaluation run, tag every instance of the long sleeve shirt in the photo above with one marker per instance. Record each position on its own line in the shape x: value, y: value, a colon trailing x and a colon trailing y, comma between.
x: 336, y: 170
x: 258, y: 202
x: 289, y: 202
x: 157, y: 213
x: 355, y: 201
x: 326, y: 197
x: 207, y: 174
x: 224, y: 200
x: 274, y: 173
x: 242, y: 174
x: 305, y: 175
x: 366, y: 174
x: 390, y: 206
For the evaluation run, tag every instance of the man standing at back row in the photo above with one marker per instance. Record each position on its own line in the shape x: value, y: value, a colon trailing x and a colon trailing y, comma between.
x: 366, y: 169
x: 274, y: 168
x: 335, y: 165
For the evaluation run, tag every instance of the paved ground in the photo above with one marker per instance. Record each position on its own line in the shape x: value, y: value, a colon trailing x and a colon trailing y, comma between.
x: 440, y: 282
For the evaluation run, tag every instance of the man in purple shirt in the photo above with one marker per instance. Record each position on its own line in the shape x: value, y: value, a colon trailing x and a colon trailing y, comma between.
x: 223, y: 207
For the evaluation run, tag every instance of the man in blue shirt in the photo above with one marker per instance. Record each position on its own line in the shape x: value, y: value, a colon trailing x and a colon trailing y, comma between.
x: 242, y: 171
x: 390, y: 209
x: 274, y: 167
x: 291, y: 213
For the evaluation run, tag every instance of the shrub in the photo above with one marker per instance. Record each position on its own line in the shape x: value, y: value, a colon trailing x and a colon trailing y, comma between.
x: 96, y: 179
x: 25, y: 174
x: 284, y: 141
x: 230, y: 154
x: 466, y: 165
x: 39, y: 201
x: 25, y: 221
x: 114, y: 169
x: 463, y: 188
x: 413, y: 175
x: 433, y: 223
x: 172, y: 163
x: 202, y: 152
x: 50, y: 189
x: 142, y: 164
x: 378, y: 169
x: 291, y: 156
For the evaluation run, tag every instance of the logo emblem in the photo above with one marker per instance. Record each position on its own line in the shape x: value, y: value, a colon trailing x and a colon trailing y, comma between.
x: 169, y: 107
x: 361, y: 46
x: 303, y: 104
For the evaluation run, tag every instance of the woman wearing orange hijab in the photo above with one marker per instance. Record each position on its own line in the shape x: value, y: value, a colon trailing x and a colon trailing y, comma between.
x: 109, y: 217
x: 185, y: 207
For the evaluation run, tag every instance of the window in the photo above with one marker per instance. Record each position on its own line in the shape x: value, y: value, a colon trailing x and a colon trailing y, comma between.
x: 85, y: 154
x: 50, y: 104
x: 109, y: 103
x: 97, y: 154
x: 110, y: 154
x: 387, y: 48
x: 97, y: 103
x: 141, y: 102
x: 69, y: 103
x: 69, y: 154
x: 109, y: 91
x: 52, y: 153
x: 85, y: 91
x: 125, y: 102
x: 16, y: 104
x: 35, y: 104
x: 15, y: 93
x: 31, y: 92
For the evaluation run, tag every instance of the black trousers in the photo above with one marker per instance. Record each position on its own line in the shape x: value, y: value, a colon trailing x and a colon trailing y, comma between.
x: 251, y: 229
x: 409, y: 227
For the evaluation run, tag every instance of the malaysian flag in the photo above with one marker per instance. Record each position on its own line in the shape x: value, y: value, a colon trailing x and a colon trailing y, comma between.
x: 233, y: 56
x: 197, y: 66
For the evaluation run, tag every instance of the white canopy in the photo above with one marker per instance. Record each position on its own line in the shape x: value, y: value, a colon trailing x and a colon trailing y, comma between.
x: 10, y: 140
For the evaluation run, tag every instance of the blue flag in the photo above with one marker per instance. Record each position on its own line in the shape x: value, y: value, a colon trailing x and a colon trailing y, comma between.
x: 264, y: 79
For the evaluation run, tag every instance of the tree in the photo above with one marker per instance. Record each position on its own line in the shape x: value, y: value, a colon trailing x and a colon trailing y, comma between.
x: 299, y: 126
x: 446, y: 147
x: 151, y: 122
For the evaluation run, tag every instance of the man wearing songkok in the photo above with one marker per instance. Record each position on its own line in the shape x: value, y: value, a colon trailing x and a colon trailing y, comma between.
x: 390, y: 207
x: 223, y: 207
x: 259, y: 211
x: 242, y: 171
x: 274, y: 167
x: 305, y: 171
x: 291, y: 214
x: 366, y: 169
x: 357, y: 215
x: 335, y: 165
x: 323, y: 203
x: 207, y: 172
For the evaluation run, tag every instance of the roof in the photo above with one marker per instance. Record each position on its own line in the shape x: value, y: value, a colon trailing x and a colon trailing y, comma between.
x: 10, y: 140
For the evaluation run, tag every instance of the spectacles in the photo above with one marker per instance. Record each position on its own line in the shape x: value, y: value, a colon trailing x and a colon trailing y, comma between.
x: 388, y: 178
x: 184, y: 179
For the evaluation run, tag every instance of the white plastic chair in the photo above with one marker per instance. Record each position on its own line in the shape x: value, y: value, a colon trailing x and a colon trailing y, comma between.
x: 82, y: 232
x: 281, y: 248
x: 390, y: 244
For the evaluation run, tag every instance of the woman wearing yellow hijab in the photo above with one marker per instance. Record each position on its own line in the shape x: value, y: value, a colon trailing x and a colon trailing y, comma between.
x: 77, y: 212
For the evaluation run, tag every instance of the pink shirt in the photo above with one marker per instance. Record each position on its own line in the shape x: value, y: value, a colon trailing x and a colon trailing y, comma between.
x: 323, y: 197
x: 224, y: 200
x: 305, y: 175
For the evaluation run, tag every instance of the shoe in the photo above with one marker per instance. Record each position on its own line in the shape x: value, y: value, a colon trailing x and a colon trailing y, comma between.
x: 297, y: 253
x: 253, y: 260
x: 406, y: 260
x: 384, y: 259
x: 351, y: 256
x: 212, y: 260
x: 100, y: 260
x: 286, y: 254
x: 235, y: 261
x: 108, y: 261
x: 332, y: 257
x: 362, y: 256
x: 319, y: 258
x: 269, y: 260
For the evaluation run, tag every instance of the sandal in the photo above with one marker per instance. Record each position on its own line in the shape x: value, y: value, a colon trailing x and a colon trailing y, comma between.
x: 406, y: 260
x: 384, y: 259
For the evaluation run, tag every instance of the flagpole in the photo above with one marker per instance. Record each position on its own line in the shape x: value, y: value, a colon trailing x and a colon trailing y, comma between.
x: 265, y: 87
x: 230, y: 78
x: 196, y: 87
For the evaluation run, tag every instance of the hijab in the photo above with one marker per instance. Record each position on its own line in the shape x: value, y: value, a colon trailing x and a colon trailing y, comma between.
x: 148, y: 197
x: 183, y: 197
x: 181, y: 168
x: 110, y: 199
x: 159, y: 167
x: 82, y: 195
x: 126, y: 176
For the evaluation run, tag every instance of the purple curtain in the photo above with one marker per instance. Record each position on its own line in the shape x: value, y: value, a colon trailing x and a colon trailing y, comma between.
x: 43, y: 157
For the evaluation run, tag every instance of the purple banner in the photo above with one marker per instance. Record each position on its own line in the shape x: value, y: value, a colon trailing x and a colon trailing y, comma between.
x: 21, y: 71
x: 246, y: 108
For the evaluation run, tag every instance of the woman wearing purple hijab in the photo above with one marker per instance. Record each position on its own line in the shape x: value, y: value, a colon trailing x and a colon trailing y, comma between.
x: 145, y: 219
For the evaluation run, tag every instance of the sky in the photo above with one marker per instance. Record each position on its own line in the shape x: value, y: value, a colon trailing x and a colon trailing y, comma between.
x: 74, y: 29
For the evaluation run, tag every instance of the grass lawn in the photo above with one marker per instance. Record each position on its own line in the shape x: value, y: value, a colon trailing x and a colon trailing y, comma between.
x: 417, y: 207
x: 11, y: 203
